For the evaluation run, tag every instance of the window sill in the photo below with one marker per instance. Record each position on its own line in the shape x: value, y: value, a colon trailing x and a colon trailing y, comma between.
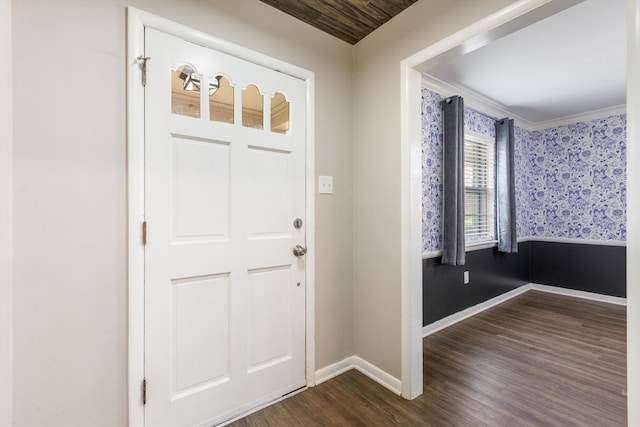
x: 468, y: 248
x: 481, y: 245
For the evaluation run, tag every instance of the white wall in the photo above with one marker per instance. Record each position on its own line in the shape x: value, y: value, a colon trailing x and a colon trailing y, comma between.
x: 376, y: 174
x: 633, y: 213
x: 70, y: 241
x: 6, y: 208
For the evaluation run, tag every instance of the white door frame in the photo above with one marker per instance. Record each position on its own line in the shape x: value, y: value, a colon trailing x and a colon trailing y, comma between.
x: 500, y: 23
x: 137, y: 20
x: 633, y: 211
x: 6, y: 215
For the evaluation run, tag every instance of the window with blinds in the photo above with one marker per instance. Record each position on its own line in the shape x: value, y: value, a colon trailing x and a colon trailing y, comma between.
x: 479, y: 189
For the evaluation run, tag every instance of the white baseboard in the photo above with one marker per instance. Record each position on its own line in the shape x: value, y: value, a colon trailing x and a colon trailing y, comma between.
x: 378, y: 375
x: 335, y: 369
x: 370, y: 370
x: 472, y: 311
x: 578, y: 294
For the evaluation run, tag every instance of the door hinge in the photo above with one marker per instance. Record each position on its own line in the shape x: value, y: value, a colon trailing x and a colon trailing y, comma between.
x: 144, y: 391
x: 144, y: 233
x: 142, y: 60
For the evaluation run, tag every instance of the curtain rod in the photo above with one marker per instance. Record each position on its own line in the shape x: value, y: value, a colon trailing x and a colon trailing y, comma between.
x: 448, y: 101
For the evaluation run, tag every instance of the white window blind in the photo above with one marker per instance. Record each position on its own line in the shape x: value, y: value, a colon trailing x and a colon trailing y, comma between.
x: 479, y: 189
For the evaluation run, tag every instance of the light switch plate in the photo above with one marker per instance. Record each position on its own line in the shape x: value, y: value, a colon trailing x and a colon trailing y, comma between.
x: 325, y: 184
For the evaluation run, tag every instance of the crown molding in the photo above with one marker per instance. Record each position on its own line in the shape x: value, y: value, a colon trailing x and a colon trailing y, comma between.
x: 583, y: 117
x: 495, y: 110
x: 473, y: 100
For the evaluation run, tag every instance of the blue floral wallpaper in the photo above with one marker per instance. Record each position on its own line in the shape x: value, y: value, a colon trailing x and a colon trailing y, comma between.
x: 578, y: 182
x: 570, y: 181
x: 431, y: 171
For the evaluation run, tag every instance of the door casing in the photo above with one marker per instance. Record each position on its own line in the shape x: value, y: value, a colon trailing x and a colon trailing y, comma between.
x: 137, y: 21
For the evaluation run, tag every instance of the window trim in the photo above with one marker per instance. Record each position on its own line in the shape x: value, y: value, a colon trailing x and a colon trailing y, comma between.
x: 477, y: 137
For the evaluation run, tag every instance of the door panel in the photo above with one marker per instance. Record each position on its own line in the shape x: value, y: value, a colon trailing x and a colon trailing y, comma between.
x: 269, y: 317
x: 269, y: 192
x: 224, y: 293
x: 200, y: 333
x: 200, y: 189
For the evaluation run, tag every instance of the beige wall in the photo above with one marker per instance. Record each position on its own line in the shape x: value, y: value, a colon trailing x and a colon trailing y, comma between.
x: 376, y: 172
x: 6, y: 208
x: 70, y: 308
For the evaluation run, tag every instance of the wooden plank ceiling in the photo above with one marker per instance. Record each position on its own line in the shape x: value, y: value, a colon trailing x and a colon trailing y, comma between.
x: 348, y: 20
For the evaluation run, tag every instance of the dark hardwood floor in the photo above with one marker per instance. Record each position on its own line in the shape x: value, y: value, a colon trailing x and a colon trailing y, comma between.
x: 536, y: 360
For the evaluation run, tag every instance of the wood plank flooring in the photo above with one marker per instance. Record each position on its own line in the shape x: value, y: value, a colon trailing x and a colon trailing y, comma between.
x: 536, y: 360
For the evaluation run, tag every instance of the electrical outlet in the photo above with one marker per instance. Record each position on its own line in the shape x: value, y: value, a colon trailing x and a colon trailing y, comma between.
x: 466, y: 277
x: 325, y: 184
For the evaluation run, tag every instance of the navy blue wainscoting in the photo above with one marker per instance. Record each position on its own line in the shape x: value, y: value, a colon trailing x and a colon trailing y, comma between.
x: 491, y: 273
x: 592, y: 268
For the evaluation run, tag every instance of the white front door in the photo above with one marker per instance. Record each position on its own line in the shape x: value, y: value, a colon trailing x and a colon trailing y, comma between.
x: 224, y: 185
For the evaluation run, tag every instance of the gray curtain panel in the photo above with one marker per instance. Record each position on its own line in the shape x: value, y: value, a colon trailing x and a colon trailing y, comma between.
x: 505, y: 187
x: 453, y: 250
